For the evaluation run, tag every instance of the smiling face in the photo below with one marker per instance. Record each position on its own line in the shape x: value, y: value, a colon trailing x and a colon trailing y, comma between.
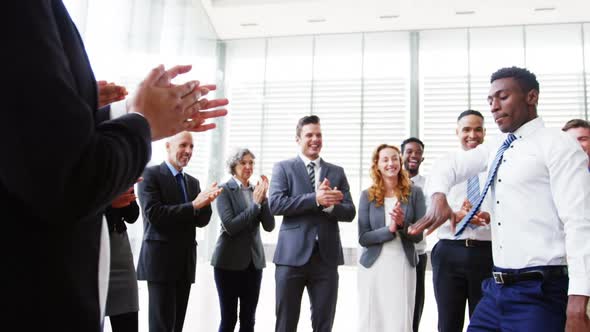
x: 510, y: 105
x: 310, y: 140
x: 180, y: 150
x: 413, y: 157
x: 244, y: 168
x: 389, y: 163
x: 470, y: 131
x: 583, y: 136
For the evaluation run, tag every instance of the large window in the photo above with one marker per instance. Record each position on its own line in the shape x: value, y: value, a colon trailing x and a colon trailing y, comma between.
x: 358, y: 84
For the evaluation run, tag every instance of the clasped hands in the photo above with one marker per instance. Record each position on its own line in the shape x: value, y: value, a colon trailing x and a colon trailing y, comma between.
x: 326, y: 196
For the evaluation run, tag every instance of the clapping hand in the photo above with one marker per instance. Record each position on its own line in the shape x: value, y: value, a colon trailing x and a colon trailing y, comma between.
x: 198, y: 116
x: 326, y: 196
x: 125, y: 198
x: 397, y: 218
x: 207, y: 196
x: 261, y: 189
x: 109, y: 93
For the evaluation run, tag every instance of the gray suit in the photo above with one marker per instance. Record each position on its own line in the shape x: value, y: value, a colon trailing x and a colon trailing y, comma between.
x: 373, y: 231
x: 308, y: 249
x: 239, y: 241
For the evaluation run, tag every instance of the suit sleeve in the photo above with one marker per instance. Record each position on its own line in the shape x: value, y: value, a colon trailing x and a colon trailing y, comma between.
x: 418, y: 204
x: 62, y: 164
x: 161, y: 215
x: 130, y: 212
x: 280, y: 201
x: 266, y: 218
x: 367, y: 235
x: 345, y: 211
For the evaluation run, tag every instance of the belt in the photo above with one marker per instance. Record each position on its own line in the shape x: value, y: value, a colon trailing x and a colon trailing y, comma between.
x: 545, y: 273
x: 468, y: 243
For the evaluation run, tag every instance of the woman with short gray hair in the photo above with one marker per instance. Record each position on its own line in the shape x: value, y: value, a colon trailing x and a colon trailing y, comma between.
x: 238, y: 258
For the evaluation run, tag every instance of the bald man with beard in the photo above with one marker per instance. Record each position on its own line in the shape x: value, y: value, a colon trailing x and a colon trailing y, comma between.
x: 173, y: 205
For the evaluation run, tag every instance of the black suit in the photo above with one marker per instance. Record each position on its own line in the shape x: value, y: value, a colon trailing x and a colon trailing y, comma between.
x: 168, y: 255
x: 60, y: 170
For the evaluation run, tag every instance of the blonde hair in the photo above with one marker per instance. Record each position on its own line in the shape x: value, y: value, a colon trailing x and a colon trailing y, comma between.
x: 377, y: 190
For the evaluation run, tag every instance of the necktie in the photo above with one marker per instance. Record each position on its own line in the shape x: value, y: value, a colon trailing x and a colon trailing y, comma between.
x: 180, y: 182
x: 473, y: 192
x: 493, y: 170
x: 311, y: 170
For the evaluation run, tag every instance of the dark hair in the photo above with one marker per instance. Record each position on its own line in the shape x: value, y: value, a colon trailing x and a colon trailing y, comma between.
x: 525, y: 79
x: 410, y: 140
x: 469, y: 112
x: 576, y: 123
x: 305, y: 121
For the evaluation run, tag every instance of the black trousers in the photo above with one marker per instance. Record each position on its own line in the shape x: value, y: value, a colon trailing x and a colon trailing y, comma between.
x: 233, y: 285
x: 457, y: 273
x: 419, y: 304
x: 167, y: 305
x: 127, y: 322
x: 321, y: 281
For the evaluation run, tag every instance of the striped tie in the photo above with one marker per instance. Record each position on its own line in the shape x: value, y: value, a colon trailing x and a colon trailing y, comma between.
x: 473, y: 192
x: 493, y: 170
x: 311, y: 170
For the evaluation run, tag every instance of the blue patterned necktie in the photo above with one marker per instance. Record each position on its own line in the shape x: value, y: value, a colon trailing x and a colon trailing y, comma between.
x: 493, y: 170
x: 180, y: 182
x: 473, y: 194
x: 311, y: 170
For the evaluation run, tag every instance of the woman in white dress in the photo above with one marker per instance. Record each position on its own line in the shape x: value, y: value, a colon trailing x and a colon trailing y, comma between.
x: 387, y: 271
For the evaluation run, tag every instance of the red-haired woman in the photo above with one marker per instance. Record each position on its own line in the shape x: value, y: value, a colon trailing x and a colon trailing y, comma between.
x: 387, y: 275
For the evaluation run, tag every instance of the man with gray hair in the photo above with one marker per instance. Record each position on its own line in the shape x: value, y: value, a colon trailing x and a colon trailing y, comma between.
x: 172, y: 205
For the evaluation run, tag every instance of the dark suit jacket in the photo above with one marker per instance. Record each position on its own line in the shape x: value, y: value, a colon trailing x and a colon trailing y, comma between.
x: 169, y: 248
x: 61, y: 169
x: 239, y: 242
x: 373, y: 231
x: 292, y: 196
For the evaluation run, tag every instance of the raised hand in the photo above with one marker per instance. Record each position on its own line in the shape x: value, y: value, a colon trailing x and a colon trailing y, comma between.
x: 170, y: 108
x: 198, y: 113
x: 261, y: 189
x: 207, y: 196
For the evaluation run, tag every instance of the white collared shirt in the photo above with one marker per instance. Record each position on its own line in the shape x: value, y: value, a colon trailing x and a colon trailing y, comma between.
x: 316, y: 168
x: 456, y: 197
x: 540, y: 199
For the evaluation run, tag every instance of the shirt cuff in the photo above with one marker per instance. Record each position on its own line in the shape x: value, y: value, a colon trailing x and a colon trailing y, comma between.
x: 329, y: 209
x: 119, y: 108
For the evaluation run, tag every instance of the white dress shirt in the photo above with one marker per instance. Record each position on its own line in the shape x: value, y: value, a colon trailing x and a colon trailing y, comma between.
x: 420, y: 181
x: 540, y: 199
x: 456, y: 196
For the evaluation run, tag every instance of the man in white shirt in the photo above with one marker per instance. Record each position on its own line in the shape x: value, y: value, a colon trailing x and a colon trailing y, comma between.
x: 460, y: 264
x: 580, y: 130
x: 412, y: 154
x: 541, y: 221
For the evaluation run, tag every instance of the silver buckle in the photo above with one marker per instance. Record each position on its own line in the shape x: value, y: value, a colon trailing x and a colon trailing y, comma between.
x: 467, y: 243
x: 498, y: 277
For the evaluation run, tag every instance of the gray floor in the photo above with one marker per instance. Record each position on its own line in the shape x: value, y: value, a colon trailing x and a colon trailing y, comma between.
x: 203, y: 309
